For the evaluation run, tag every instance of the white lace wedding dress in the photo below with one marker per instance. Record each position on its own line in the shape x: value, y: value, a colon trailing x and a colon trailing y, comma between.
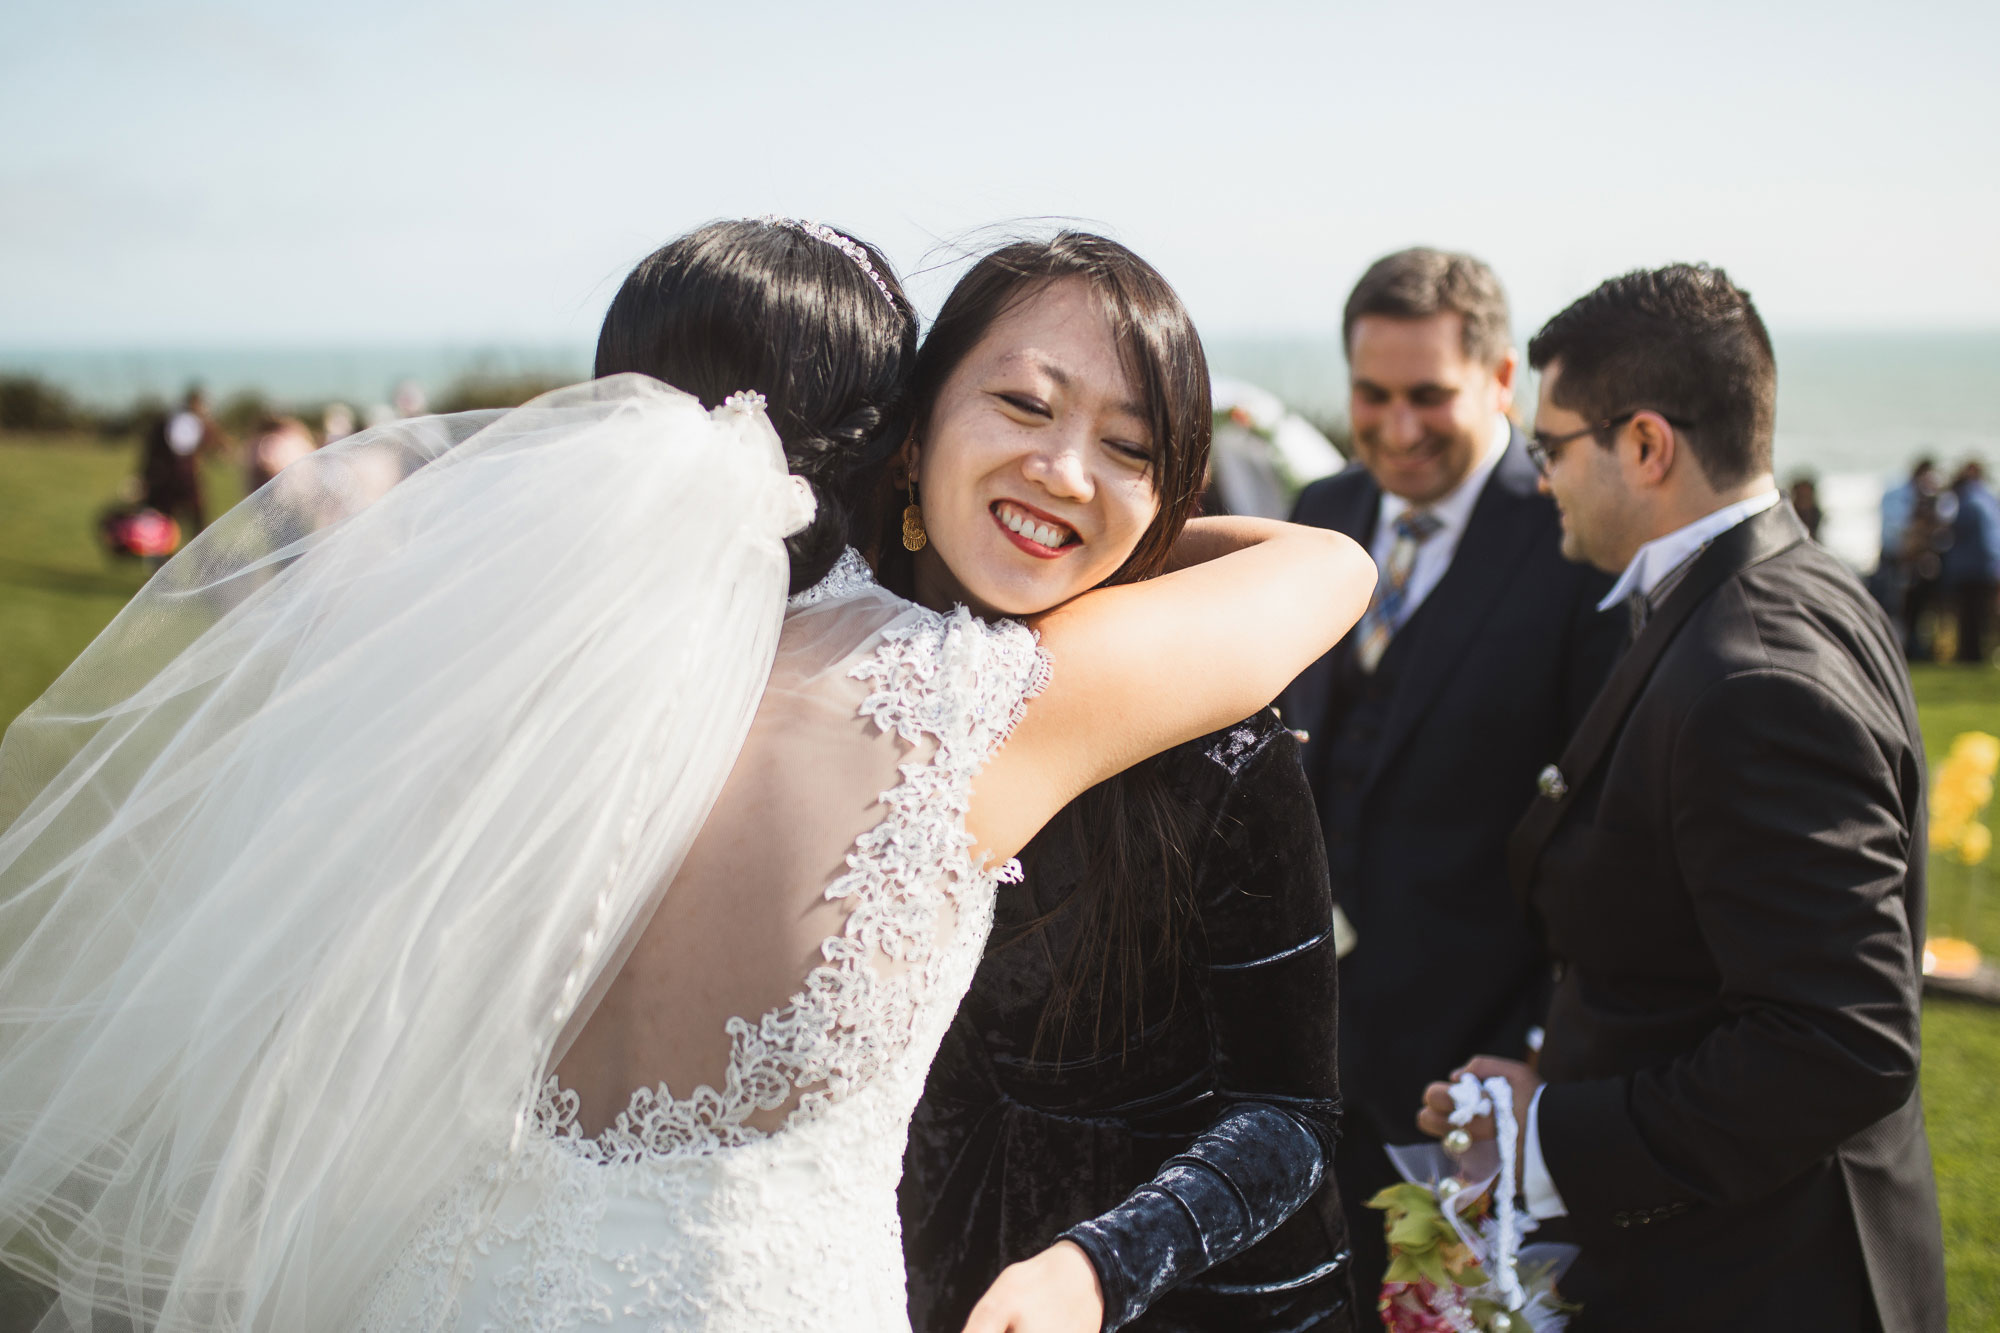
x: 765, y: 1198
x: 471, y: 750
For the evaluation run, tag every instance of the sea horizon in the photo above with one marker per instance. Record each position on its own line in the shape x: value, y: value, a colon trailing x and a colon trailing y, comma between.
x: 1848, y: 400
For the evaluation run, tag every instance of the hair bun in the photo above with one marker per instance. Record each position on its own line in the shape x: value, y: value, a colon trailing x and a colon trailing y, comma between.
x: 842, y: 465
x: 799, y: 316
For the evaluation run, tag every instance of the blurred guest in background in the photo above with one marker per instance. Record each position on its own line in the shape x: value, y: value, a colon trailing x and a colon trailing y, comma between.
x: 169, y: 468
x: 1804, y: 493
x: 410, y: 399
x: 1925, y: 535
x: 1427, y: 724
x: 1970, y: 566
x: 1899, y: 504
x: 336, y: 422
x: 277, y: 444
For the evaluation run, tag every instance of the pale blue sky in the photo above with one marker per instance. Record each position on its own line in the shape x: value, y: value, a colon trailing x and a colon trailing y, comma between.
x: 369, y: 172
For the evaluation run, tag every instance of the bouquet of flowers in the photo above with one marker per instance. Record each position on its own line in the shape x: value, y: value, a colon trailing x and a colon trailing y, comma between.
x: 1456, y: 1263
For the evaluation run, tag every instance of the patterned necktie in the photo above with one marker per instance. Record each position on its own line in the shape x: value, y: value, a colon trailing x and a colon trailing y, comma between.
x: 1639, y: 606
x: 1386, y: 614
x: 1637, y: 609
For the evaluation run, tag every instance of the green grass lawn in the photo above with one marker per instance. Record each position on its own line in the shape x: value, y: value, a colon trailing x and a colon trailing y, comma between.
x: 1961, y: 1059
x: 1962, y: 1040
x: 58, y: 589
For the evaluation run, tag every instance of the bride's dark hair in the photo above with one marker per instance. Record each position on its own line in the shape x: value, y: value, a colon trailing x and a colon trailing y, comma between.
x: 765, y: 306
x: 1131, y: 834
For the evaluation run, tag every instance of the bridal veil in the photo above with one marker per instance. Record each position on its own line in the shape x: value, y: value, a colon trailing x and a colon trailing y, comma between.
x: 310, y: 859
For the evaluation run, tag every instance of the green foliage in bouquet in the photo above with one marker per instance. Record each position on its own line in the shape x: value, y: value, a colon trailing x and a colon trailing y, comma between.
x: 1423, y: 1244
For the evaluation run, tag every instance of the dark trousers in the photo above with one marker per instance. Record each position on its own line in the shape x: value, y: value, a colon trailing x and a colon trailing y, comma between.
x: 1974, y: 603
x: 1919, y: 595
x: 173, y: 486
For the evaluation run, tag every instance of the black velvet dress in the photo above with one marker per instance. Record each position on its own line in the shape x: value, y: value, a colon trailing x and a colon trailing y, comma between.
x: 1194, y: 1167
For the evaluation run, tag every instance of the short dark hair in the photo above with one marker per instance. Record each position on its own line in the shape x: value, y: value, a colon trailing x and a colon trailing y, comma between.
x: 1421, y: 282
x: 1163, y: 354
x: 1683, y: 341
x: 765, y: 306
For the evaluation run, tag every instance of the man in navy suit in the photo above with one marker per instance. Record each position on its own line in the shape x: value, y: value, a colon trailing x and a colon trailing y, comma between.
x: 1427, y: 725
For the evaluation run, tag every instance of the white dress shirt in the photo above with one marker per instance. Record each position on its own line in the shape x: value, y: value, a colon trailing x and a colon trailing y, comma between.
x: 1452, y: 511
x: 184, y: 432
x: 1663, y: 555
x: 1650, y: 565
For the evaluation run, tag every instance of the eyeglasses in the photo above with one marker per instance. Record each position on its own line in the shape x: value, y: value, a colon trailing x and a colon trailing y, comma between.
x: 1542, y: 449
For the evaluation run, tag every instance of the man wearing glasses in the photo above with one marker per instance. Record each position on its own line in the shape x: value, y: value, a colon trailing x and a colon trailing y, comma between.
x: 1727, y: 862
x: 1427, y: 725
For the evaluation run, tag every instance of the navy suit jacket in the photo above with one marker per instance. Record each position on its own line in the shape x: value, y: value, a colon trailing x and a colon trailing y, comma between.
x: 1497, y: 665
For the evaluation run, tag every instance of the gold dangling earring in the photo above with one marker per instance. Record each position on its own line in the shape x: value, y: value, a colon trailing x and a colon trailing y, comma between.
x: 914, y: 536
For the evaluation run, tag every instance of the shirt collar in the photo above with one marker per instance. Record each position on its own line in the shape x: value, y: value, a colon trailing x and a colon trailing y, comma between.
x: 1662, y: 555
x: 1454, y: 507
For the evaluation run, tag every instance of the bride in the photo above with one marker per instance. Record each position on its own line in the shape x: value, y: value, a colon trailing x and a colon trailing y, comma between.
x: 515, y: 870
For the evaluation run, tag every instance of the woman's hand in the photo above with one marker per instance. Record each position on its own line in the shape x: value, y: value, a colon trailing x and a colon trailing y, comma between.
x: 1054, y: 1292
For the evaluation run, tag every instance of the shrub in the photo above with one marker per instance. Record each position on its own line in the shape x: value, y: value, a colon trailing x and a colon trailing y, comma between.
x: 478, y: 390
x: 30, y: 403
x: 240, y: 412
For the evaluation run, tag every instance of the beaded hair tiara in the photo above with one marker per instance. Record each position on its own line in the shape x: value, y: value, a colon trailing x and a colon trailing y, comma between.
x: 847, y: 245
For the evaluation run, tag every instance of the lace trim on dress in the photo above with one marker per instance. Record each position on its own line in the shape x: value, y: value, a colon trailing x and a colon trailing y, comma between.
x: 849, y: 575
x: 964, y: 683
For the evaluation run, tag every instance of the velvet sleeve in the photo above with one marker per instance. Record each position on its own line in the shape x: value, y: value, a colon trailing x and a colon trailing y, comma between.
x: 1268, y: 978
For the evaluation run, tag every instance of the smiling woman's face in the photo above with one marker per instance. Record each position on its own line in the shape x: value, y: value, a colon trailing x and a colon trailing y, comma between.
x: 1035, y: 471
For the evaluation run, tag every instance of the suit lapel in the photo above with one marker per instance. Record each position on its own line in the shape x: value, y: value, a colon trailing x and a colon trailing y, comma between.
x: 1449, y: 619
x: 1357, y: 518
x: 1304, y: 703
x: 1749, y: 543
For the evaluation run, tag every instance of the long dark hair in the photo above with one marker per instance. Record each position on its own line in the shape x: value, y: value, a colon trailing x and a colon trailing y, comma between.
x: 1132, y: 834
x: 768, y: 307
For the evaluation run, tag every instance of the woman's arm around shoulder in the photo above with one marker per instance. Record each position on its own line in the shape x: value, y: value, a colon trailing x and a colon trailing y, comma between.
x: 1141, y: 667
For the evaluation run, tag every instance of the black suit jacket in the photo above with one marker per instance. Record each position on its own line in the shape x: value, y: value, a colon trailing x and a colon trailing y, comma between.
x: 1496, y: 666
x: 1733, y: 880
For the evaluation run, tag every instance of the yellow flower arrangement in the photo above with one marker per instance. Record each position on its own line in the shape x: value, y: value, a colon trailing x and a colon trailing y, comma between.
x: 1975, y: 843
x: 1959, y: 795
x: 1961, y: 789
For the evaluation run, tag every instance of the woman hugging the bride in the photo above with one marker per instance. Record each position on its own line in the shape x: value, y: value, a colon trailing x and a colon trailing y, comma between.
x: 517, y: 869
x: 1133, y: 1114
